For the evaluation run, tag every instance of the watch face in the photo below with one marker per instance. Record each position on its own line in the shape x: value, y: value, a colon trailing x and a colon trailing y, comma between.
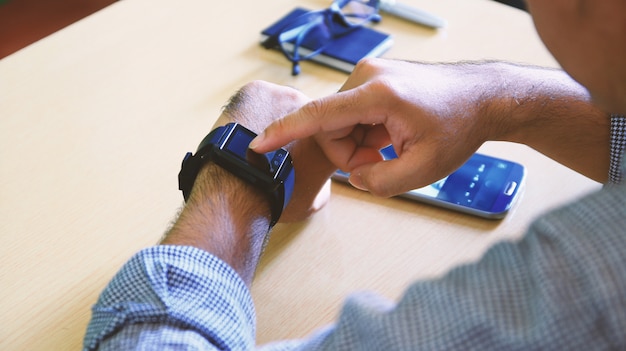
x: 239, y: 141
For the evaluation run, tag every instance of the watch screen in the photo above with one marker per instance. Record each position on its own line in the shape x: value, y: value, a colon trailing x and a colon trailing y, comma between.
x: 238, y: 144
x: 239, y: 141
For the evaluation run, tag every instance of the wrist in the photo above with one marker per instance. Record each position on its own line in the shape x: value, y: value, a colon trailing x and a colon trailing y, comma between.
x: 225, y: 216
x: 525, y: 102
x: 227, y: 146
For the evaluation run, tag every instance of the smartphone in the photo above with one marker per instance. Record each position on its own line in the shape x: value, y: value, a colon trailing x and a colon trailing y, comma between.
x: 484, y: 186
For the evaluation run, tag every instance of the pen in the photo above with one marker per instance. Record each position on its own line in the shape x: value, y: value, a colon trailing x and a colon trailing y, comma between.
x: 412, y: 14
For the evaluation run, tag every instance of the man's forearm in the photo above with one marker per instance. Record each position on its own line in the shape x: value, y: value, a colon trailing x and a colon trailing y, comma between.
x: 548, y: 111
x: 226, y: 217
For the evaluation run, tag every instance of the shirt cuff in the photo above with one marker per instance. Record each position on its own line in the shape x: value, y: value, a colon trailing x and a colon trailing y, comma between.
x: 618, y: 143
x: 181, y: 286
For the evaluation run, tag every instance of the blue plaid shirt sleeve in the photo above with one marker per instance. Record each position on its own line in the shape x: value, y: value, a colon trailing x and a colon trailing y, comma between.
x: 618, y: 144
x: 560, y: 288
x: 182, y: 288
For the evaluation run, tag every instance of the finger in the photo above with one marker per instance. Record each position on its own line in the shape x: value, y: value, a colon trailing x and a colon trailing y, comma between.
x: 381, y: 179
x: 410, y: 171
x: 377, y: 136
x: 364, y: 135
x: 360, y: 146
x: 331, y: 113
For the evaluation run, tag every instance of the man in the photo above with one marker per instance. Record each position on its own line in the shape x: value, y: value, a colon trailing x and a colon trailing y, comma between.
x: 562, y: 287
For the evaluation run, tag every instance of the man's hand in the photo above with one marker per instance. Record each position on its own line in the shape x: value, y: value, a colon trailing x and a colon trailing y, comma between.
x: 430, y: 113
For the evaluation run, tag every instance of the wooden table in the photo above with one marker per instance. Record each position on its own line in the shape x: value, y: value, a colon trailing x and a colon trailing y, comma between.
x: 94, y: 121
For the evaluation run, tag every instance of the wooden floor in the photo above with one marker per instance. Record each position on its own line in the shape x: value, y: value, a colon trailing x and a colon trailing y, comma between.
x: 23, y: 22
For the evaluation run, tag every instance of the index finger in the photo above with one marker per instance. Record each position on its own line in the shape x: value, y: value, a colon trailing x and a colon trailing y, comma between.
x: 330, y: 113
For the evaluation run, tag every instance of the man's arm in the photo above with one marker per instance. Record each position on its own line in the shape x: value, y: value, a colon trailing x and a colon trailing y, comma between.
x: 194, y: 286
x: 560, y: 288
x: 550, y: 112
x: 437, y: 115
x: 226, y: 217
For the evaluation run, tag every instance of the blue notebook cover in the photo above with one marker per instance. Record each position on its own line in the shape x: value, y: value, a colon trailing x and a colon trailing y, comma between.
x: 344, y: 52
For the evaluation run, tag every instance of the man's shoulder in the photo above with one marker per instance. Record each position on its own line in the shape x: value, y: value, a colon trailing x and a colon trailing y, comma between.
x: 599, y: 211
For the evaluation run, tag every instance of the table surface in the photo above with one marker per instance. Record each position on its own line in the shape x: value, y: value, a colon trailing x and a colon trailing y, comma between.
x: 96, y: 118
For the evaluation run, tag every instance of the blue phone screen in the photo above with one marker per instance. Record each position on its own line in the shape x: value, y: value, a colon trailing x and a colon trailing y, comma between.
x: 481, y: 183
x: 477, y: 184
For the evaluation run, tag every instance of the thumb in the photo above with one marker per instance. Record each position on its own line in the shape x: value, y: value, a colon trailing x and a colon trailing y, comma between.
x: 377, y: 179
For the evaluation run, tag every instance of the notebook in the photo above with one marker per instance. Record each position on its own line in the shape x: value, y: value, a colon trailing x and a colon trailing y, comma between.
x: 344, y: 52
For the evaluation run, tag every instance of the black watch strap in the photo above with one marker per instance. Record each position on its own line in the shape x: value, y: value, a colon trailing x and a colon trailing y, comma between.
x: 227, y: 146
x: 191, y: 165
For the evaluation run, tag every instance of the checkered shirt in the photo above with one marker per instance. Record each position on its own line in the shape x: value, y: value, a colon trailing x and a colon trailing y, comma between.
x: 618, y: 143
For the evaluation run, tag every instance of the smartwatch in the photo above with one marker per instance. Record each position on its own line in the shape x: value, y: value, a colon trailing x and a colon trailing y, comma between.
x: 227, y: 146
